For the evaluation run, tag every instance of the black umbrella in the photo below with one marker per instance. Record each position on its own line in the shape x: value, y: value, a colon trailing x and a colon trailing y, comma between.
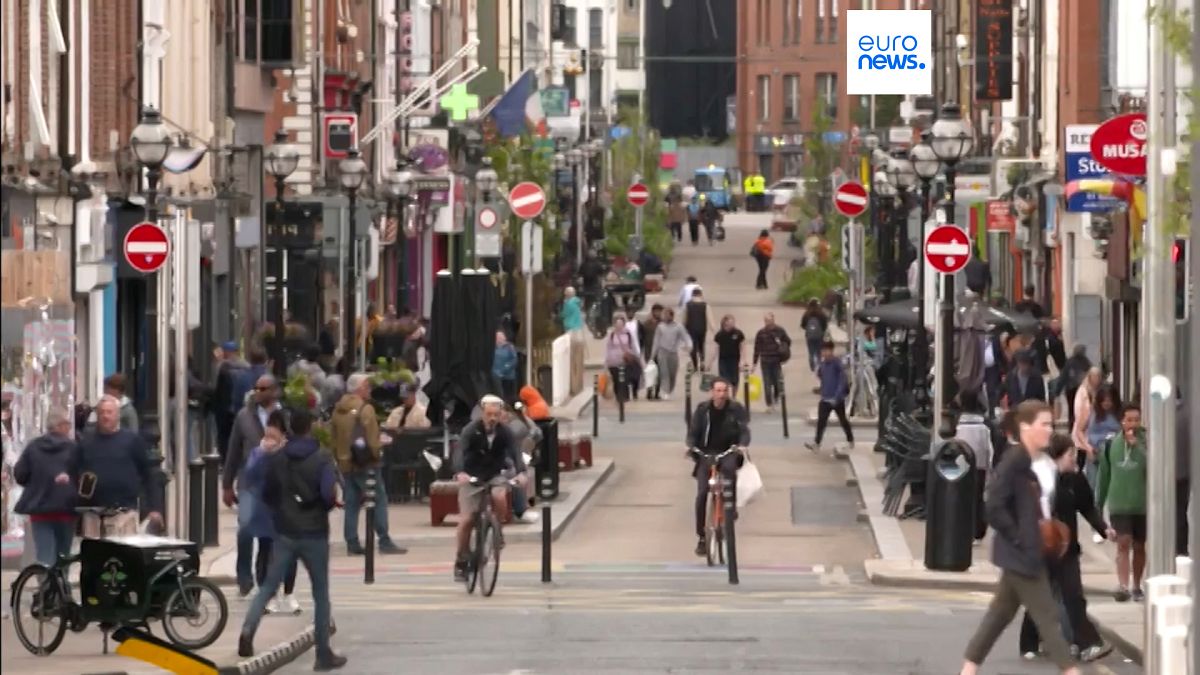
x: 898, y: 314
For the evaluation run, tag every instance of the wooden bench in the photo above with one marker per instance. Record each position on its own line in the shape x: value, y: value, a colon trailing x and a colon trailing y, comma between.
x: 443, y: 502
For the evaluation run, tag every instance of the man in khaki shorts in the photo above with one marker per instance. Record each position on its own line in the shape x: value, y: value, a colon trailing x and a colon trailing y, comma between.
x: 116, y: 464
x: 486, y: 451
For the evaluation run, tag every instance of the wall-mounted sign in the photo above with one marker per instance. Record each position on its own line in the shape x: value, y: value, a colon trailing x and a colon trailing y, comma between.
x: 459, y: 103
x: 429, y: 153
x: 341, y: 134
x: 993, y: 50
x: 1000, y: 217
x: 556, y: 101
x: 1081, y: 165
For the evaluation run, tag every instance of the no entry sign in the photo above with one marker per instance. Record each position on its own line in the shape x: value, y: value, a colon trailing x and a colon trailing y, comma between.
x: 146, y: 247
x: 1119, y: 144
x: 947, y: 249
x: 850, y: 199
x: 527, y: 200
x: 638, y: 195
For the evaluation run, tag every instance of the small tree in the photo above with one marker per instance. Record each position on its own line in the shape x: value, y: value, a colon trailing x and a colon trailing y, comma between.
x: 637, y: 153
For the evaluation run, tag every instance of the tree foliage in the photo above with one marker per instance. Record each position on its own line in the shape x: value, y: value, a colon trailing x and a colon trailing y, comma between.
x: 1177, y: 32
x: 637, y: 153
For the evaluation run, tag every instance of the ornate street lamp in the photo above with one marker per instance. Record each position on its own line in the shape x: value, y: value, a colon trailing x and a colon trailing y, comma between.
x: 352, y: 171
x: 280, y: 160
x: 398, y: 186
x: 574, y: 159
x: 952, y: 139
x: 486, y: 179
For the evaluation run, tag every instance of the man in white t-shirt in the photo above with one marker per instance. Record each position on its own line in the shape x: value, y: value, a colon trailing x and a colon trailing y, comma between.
x: 685, y: 293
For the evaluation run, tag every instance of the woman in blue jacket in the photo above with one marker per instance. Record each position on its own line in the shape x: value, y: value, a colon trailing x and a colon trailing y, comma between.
x: 261, y: 523
x: 504, y: 367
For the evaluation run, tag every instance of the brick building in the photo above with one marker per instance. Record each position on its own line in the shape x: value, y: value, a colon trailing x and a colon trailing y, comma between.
x: 793, y: 60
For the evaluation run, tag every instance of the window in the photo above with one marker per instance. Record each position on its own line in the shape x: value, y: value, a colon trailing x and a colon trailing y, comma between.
x: 627, y: 54
x: 596, y: 88
x: 569, y: 25
x: 787, y: 20
x: 791, y: 98
x: 821, y: 21
x: 764, y: 97
x: 832, y: 33
x: 595, y: 28
x: 799, y: 25
x: 249, y: 32
x: 759, y: 21
x: 265, y: 31
x: 827, y: 93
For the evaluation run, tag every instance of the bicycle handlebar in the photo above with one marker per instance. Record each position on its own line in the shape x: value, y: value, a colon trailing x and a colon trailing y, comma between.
x: 700, y: 454
x: 102, y: 511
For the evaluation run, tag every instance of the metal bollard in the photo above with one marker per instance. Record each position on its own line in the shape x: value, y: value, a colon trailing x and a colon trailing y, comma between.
x: 596, y: 406
x: 621, y: 394
x: 546, y: 536
x: 731, y: 534
x: 196, y: 501
x: 687, y: 397
x: 782, y: 394
x: 1173, y: 614
x: 746, y: 396
x: 369, y: 503
x: 212, y: 499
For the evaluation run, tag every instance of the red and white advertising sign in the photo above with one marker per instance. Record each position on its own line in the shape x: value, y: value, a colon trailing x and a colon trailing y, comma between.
x: 341, y: 134
x: 850, y: 199
x: 1000, y: 217
x: 1119, y: 144
x: 638, y: 195
x: 947, y: 249
x: 146, y: 247
x: 527, y: 200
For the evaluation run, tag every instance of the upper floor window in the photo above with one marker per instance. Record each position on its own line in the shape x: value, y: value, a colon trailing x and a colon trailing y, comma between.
x: 827, y: 93
x: 265, y: 31
x: 595, y: 28
x: 627, y: 54
x: 764, y: 97
x: 791, y: 98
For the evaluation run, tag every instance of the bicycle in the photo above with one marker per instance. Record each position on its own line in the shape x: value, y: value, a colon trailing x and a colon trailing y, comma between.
x: 714, y: 520
x: 111, y: 595
x: 483, y: 550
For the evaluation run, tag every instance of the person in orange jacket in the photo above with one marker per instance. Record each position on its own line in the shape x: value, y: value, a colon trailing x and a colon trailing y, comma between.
x: 762, y: 251
x: 535, y: 405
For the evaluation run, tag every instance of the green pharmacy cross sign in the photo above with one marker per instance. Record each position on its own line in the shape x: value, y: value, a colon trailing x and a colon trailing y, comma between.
x: 459, y: 102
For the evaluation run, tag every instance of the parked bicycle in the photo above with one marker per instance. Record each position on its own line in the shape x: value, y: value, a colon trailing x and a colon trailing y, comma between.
x: 715, y: 523
x: 123, y: 581
x: 483, y: 551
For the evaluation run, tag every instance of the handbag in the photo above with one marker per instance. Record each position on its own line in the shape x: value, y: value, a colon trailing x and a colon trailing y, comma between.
x: 785, y: 350
x: 750, y: 483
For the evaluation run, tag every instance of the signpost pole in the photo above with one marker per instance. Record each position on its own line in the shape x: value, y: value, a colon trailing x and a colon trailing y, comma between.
x: 163, y: 376
x: 179, y: 426
x: 527, y: 272
x: 849, y: 257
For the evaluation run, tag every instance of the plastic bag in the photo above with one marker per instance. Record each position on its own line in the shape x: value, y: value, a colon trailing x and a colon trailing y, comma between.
x: 749, y: 485
x: 756, y: 386
x: 650, y: 376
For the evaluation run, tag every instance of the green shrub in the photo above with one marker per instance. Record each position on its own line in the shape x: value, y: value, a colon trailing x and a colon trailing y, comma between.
x: 812, y: 282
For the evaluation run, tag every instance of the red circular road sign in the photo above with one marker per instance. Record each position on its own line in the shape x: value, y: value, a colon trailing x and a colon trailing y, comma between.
x: 146, y: 247
x: 850, y: 199
x: 638, y: 195
x: 527, y: 200
x: 1119, y: 144
x: 947, y: 249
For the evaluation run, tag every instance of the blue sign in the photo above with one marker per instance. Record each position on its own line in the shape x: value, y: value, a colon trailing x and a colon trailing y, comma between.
x: 618, y: 132
x: 834, y: 137
x: 1080, y: 166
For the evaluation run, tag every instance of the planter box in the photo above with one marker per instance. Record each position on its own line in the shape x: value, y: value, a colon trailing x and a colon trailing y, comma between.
x: 783, y: 226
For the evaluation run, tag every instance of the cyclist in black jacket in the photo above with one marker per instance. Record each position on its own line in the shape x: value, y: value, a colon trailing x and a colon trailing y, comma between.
x: 718, y: 424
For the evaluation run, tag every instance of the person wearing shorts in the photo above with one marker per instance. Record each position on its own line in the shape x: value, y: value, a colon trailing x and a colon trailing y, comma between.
x: 1121, y: 486
x: 486, y: 450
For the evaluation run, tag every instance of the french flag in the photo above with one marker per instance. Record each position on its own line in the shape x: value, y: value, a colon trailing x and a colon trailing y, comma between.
x: 519, y: 109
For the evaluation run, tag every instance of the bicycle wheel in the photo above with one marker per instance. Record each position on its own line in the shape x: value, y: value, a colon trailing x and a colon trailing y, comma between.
x: 473, y: 548
x: 489, y: 556
x: 712, y: 527
x: 37, y: 597
x: 196, y: 606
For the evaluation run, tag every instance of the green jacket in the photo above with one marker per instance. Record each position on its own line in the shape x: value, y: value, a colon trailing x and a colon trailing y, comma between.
x: 1122, y: 481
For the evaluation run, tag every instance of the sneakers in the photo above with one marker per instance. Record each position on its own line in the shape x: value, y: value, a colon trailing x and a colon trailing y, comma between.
x: 529, y: 517
x: 1095, y: 652
x: 1029, y: 656
x: 329, y: 662
x: 389, y: 547
x: 245, y: 646
x: 273, y: 606
x: 701, y: 548
x: 815, y: 447
x: 354, y: 548
x: 1097, y: 538
x: 1122, y: 595
x: 664, y: 397
x: 460, y: 570
x: 1138, y: 595
x: 289, y: 605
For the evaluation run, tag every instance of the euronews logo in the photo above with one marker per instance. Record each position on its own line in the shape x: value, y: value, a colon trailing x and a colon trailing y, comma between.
x: 889, y: 52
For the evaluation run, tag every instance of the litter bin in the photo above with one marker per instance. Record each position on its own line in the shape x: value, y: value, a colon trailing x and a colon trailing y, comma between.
x: 546, y: 467
x: 950, y: 507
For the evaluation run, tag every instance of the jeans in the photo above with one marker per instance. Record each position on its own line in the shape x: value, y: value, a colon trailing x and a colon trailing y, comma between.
x: 356, y: 488
x: 245, y: 542
x: 313, y: 551
x: 520, y: 501
x: 839, y: 409
x: 772, y: 375
x: 761, y: 280
x: 262, y: 565
x: 192, y: 431
x: 668, y: 369
x: 52, y: 538
x: 697, y: 348
x: 677, y: 231
x: 694, y: 231
x: 1091, y: 471
x: 728, y: 468
x: 727, y: 367
x: 1013, y: 592
x: 814, y: 353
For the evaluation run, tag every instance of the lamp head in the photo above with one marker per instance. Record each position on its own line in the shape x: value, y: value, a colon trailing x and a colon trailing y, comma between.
x: 150, y: 140
x: 352, y: 171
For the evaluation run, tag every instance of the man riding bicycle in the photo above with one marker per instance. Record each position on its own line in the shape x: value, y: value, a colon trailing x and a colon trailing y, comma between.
x: 486, y: 451
x: 718, y: 424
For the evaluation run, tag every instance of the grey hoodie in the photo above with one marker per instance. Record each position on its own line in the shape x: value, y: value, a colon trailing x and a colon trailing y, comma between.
x: 973, y: 430
x: 670, y: 337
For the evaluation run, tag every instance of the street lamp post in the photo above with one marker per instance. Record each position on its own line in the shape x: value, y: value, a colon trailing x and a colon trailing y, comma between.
x: 399, y: 185
x: 150, y: 142
x: 281, y: 160
x: 904, y: 178
x: 352, y: 171
x: 574, y: 159
x: 926, y: 165
x: 952, y: 139
x: 486, y: 180
x: 559, y: 163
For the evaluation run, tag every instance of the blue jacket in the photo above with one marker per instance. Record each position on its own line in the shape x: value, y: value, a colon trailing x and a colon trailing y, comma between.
x: 254, y: 478
x: 1035, y: 387
x: 41, y: 462
x: 504, y: 363
x: 834, y: 384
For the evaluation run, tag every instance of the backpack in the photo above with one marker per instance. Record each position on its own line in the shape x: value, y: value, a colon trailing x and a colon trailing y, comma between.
x: 813, y: 331
x: 785, y: 349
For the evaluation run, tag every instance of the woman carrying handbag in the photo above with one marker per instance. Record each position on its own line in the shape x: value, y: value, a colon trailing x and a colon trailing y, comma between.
x: 620, y: 354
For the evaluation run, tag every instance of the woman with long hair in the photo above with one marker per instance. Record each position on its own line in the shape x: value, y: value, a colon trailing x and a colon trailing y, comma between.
x: 1102, y: 424
x: 1072, y: 498
x: 621, y: 358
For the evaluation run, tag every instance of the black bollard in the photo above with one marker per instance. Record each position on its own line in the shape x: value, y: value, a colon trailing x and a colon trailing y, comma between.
x: 212, y: 499
x: 621, y: 394
x: 196, y: 501
x: 746, y: 396
x: 782, y: 393
x: 369, y: 503
x: 730, y: 533
x: 596, y: 406
x: 546, y: 532
x: 687, y: 398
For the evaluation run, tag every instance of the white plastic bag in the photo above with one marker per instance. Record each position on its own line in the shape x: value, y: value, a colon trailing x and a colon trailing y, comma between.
x: 749, y: 485
x: 650, y: 375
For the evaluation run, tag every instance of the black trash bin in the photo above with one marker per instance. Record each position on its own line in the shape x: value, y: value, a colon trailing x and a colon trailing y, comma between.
x: 546, y: 468
x: 950, y: 507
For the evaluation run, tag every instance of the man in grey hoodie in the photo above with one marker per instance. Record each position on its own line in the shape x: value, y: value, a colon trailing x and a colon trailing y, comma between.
x: 669, y: 338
